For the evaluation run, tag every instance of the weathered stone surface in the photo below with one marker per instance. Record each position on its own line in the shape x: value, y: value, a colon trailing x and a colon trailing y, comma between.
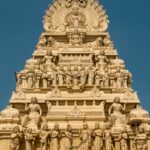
x: 75, y: 93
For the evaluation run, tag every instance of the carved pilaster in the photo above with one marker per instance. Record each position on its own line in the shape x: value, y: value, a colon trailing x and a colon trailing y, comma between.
x: 116, y: 137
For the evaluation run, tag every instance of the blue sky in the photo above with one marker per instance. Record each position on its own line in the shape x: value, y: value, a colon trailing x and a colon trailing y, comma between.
x: 21, y: 26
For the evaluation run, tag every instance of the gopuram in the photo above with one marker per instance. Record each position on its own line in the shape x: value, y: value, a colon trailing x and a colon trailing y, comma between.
x: 74, y: 93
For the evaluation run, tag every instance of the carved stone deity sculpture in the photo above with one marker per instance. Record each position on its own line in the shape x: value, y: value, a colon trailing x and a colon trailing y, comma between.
x: 98, y: 136
x: 75, y: 19
x: 101, y: 60
x: 116, y: 111
x: 68, y: 76
x: 29, y: 139
x: 91, y: 75
x: 141, y: 139
x: 85, y: 137
x: 44, y: 137
x: 119, y: 78
x: 76, y: 37
x: 32, y: 120
x: 49, y: 107
x: 61, y: 76
x: 68, y: 138
x: 75, y: 74
x: 16, y: 137
x: 83, y: 76
x: 55, y: 138
x: 30, y: 80
x: 99, y: 42
x: 108, y: 42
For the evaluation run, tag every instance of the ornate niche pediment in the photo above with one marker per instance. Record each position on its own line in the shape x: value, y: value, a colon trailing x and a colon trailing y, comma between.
x: 66, y: 11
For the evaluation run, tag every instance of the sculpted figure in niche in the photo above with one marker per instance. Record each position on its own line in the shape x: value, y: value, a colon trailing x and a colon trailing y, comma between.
x: 85, y: 137
x: 32, y: 120
x: 37, y: 78
x: 45, y: 79
x: 16, y: 137
x: 76, y: 37
x: 116, y: 111
x: 108, y: 138
x: 50, y: 41
x: 99, y: 42
x: 75, y: 19
x: 48, y: 64
x: 91, y: 75
x: 101, y: 60
x: 119, y: 78
x: 49, y: 107
x: 44, y: 137
x: 99, y: 78
x: 31, y: 80
x: 116, y: 108
x: 141, y: 139
x: 124, y: 140
x: 69, y: 76
x: 108, y: 42
x: 98, y: 137
x: 61, y: 76
x: 18, y: 80
x: 29, y: 139
x: 54, y: 76
x: 83, y: 76
x: 55, y: 138
x: 68, y: 138
x: 75, y: 77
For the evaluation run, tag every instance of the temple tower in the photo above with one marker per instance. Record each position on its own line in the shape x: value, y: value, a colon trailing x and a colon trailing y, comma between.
x: 75, y: 90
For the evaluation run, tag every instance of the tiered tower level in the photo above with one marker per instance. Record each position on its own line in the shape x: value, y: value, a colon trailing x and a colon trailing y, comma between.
x: 75, y: 92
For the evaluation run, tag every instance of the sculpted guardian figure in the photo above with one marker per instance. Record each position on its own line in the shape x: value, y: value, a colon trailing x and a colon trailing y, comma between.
x: 44, y: 136
x: 49, y: 107
x: 68, y: 76
x: 98, y: 135
x: 119, y: 78
x: 75, y: 74
x: 83, y: 76
x: 91, y: 75
x: 16, y: 137
x: 32, y: 120
x: 55, y: 138
x: 108, y: 138
x: 85, y: 137
x: 68, y: 138
x: 61, y: 76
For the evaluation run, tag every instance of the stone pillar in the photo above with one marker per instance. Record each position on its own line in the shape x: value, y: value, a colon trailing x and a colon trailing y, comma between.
x: 117, y: 141
x: 131, y: 145
x: 4, y: 141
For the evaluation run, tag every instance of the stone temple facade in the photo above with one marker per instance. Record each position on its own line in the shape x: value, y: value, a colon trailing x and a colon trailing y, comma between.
x: 74, y: 93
